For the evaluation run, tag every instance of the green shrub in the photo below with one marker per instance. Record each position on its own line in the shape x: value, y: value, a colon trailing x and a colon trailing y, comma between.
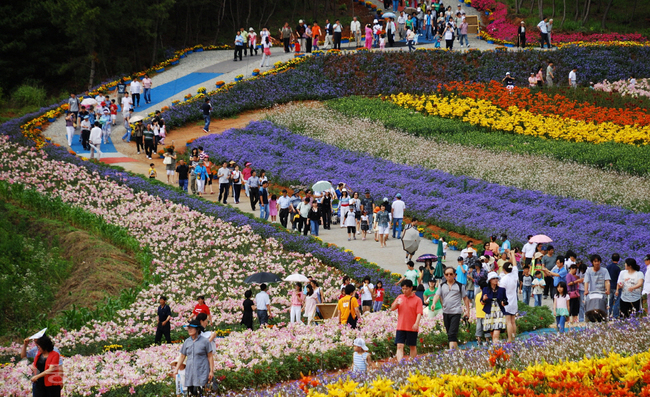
x: 533, y: 318
x: 29, y: 95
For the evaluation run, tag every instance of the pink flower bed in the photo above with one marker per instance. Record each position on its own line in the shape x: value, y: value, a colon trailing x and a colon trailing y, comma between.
x: 573, y: 37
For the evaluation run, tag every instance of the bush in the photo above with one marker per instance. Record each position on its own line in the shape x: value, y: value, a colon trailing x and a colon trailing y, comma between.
x: 29, y: 95
x: 533, y: 318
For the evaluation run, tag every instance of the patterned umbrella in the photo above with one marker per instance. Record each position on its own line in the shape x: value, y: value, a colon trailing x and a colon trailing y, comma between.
x: 427, y: 257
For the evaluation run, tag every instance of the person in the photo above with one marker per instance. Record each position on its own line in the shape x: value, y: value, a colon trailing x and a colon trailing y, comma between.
x: 543, y: 30
x: 170, y: 164
x: 597, y: 283
x: 361, y: 359
x: 539, y: 77
x: 529, y: 249
x: 300, y: 33
x: 548, y: 263
x: 550, y: 74
x: 48, y: 377
x: 397, y: 213
x: 526, y: 285
x: 147, y: 85
x: 560, y: 306
x: 316, y: 35
x: 367, y: 290
x: 509, y: 82
x: 494, y: 301
x: 463, y: 32
x: 248, y: 307
x: 206, y: 108
x: 629, y: 288
x: 311, y: 302
x: 329, y: 32
x: 70, y: 119
x: 224, y: 182
x: 449, y: 36
x: 365, y: 221
x: 182, y: 171
x: 378, y: 296
x: 614, y: 271
x: 263, y: 306
x: 297, y: 300
x: 348, y: 307
x: 136, y: 90
x: 510, y: 282
x: 252, y: 41
x: 410, y: 274
x: 573, y: 77
x: 431, y: 310
x: 180, y: 388
x: 239, y: 45
x: 521, y: 35
x: 383, y: 219
x: 163, y: 327
x: 266, y: 52
x: 314, y: 218
x: 264, y: 201
x: 549, y: 28
x: 199, y: 367
x: 282, y: 206
x: 351, y: 223
x: 453, y: 295
x: 538, y: 288
x: 461, y: 272
x: 412, y: 225
x: 121, y: 93
x: 368, y: 42
x: 355, y: 29
x: 95, y: 141
x: 409, y: 313
x: 253, y: 184
x: 337, y: 29
x: 572, y: 288
x: 201, y: 307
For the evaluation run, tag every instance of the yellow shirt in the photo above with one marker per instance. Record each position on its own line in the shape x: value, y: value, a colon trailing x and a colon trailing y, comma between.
x: 152, y: 172
x: 479, y: 305
x: 346, y: 306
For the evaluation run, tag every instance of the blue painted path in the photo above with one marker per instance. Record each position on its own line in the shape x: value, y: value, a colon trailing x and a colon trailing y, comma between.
x: 168, y: 90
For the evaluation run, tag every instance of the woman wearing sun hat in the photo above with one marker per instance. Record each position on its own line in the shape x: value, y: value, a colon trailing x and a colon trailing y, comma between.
x: 494, y: 302
x: 199, y: 368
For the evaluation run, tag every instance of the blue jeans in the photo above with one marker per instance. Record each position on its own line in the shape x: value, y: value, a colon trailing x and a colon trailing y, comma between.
x: 314, y: 228
x: 538, y: 300
x: 427, y: 33
x: 581, y: 315
x: 207, y: 122
x: 127, y: 135
x: 470, y: 294
x: 560, y: 320
x: 375, y: 40
x: 264, y: 211
x: 411, y: 46
x: 376, y: 306
x: 397, y: 226
x: 463, y: 37
x: 147, y: 95
x: 525, y: 292
x: 614, y: 304
x: 182, y: 183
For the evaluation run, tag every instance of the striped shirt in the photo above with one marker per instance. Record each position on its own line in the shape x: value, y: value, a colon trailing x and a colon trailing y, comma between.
x: 359, y: 362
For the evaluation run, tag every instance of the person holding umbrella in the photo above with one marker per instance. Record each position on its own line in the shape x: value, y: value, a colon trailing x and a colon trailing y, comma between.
x: 427, y: 273
x: 411, y: 240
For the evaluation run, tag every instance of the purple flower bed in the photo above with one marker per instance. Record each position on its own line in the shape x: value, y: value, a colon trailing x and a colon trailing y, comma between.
x: 465, y: 205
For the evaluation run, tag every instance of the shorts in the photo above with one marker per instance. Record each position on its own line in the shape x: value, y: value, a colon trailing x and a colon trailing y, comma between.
x: 470, y: 293
x: 383, y: 230
x: 170, y: 172
x: 452, y: 324
x: 352, y: 229
x: 479, y: 328
x: 509, y: 314
x: 367, y: 303
x: 408, y: 338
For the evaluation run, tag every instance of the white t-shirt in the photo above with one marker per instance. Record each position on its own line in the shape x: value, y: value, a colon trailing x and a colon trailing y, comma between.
x: 127, y: 103
x: 366, y: 295
x: 262, y: 300
x: 542, y: 27
x: 135, y: 87
x: 509, y: 282
x: 397, y: 208
x: 630, y: 280
x: 207, y: 335
x: 529, y: 249
x: 572, y: 76
x: 444, y: 247
x: 449, y: 34
x: 646, y: 283
x: 96, y: 136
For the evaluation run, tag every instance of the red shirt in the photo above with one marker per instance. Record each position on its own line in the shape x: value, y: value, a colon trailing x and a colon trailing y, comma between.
x: 407, y: 312
x: 380, y: 295
x: 55, y: 378
x: 113, y: 108
x: 201, y: 309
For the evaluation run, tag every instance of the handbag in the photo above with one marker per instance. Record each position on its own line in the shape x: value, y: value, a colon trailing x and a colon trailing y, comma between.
x: 167, y: 160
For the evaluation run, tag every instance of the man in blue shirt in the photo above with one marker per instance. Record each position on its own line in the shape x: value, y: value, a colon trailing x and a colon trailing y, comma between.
x: 506, y: 243
x: 614, y: 269
x: 164, y: 316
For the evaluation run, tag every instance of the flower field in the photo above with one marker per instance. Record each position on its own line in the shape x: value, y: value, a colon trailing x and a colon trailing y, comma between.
x: 624, y: 88
x: 460, y: 204
x: 523, y: 171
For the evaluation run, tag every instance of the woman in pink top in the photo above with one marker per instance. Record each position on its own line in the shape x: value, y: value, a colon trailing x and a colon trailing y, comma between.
x: 368, y: 37
x: 245, y: 174
x: 147, y: 83
x: 297, y: 300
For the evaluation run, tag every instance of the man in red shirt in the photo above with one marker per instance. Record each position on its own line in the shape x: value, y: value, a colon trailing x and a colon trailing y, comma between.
x: 201, y: 307
x: 409, y: 313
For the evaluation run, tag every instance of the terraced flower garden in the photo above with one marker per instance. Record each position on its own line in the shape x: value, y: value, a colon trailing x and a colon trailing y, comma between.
x: 467, y: 155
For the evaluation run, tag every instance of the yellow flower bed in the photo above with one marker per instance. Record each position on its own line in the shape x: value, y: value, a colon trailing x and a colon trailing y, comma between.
x: 593, y: 377
x: 484, y: 113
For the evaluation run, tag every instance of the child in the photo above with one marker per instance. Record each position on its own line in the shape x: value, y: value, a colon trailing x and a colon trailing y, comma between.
x: 538, y: 285
x: 361, y: 358
x: 113, y: 109
x: 375, y: 225
x: 431, y: 311
x: 163, y: 132
x: 560, y: 306
x: 378, y: 296
x: 180, y: 377
x: 526, y: 285
x: 444, y: 248
x: 382, y: 42
x: 152, y: 171
x: 480, y: 316
x: 351, y: 223
x: 573, y: 283
x: 297, y: 300
x: 273, y: 208
x: 296, y: 46
x: 364, y: 225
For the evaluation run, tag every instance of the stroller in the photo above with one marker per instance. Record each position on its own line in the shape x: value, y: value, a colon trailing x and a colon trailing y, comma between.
x: 336, y: 212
